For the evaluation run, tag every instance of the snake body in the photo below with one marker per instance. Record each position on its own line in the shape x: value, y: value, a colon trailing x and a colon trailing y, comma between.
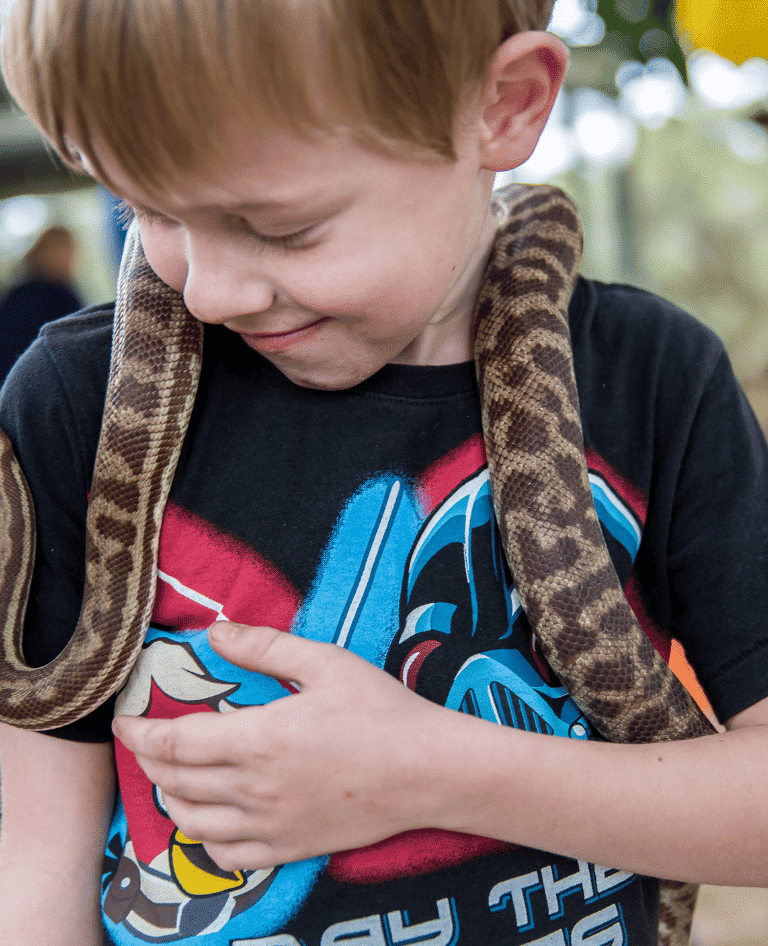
x: 156, y: 357
x: 541, y: 492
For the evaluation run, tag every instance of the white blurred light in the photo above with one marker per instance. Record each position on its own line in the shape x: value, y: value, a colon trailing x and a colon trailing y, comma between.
x: 22, y: 216
x: 606, y: 136
x: 573, y: 21
x: 652, y: 93
x: 555, y: 154
x: 568, y: 16
x: 722, y: 84
x: 748, y: 141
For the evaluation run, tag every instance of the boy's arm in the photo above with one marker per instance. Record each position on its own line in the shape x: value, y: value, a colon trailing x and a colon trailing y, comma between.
x: 355, y: 757
x: 57, y: 800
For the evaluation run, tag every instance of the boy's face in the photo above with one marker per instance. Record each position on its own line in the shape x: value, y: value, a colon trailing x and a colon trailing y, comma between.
x: 329, y: 259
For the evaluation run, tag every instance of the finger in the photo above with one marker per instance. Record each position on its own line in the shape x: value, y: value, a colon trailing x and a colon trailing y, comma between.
x: 222, y: 824
x: 249, y: 855
x: 199, y: 784
x: 197, y: 739
x: 275, y: 653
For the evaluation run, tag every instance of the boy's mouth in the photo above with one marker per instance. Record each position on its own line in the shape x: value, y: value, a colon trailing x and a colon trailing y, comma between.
x: 277, y: 341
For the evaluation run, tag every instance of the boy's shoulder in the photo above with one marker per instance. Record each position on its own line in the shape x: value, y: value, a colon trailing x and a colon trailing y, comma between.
x: 69, y: 347
x: 621, y: 328
x: 62, y: 377
x: 91, y: 324
x: 620, y: 309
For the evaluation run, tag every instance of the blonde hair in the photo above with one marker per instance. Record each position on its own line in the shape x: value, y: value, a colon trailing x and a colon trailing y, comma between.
x: 151, y: 79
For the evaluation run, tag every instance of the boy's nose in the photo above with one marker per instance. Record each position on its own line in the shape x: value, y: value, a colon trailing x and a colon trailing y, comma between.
x: 219, y: 288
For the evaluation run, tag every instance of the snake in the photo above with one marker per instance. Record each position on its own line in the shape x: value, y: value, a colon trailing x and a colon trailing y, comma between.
x: 539, y: 482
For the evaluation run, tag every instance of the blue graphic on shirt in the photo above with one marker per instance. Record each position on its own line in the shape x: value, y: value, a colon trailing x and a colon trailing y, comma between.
x: 428, y: 599
x: 615, y: 515
x: 463, y: 639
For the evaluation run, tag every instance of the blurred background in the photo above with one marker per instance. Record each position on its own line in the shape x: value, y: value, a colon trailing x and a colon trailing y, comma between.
x: 663, y: 144
x: 661, y: 137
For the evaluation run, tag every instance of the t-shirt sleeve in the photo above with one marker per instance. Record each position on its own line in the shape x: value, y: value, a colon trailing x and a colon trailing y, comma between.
x: 662, y: 408
x: 717, y: 562
x: 53, y: 430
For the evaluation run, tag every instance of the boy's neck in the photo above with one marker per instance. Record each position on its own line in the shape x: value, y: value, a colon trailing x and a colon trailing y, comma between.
x: 435, y: 346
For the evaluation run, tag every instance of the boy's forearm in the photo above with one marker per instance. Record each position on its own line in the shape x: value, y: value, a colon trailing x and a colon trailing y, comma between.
x: 57, y: 800
x: 687, y: 811
x: 359, y: 757
x: 41, y: 906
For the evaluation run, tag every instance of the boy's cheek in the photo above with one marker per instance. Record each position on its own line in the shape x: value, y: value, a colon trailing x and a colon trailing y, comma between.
x: 166, y: 260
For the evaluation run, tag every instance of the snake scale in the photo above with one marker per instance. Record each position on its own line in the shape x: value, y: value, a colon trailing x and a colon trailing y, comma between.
x: 541, y: 492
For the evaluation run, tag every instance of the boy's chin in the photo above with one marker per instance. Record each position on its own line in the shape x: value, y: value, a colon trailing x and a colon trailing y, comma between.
x: 338, y: 377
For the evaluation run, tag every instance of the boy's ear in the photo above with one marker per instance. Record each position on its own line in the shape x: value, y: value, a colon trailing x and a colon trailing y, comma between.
x: 523, y: 80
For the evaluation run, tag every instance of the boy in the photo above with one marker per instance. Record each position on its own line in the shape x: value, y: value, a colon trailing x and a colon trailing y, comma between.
x: 316, y: 179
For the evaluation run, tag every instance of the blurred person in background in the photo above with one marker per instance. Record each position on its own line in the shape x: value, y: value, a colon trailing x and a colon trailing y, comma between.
x: 45, y: 291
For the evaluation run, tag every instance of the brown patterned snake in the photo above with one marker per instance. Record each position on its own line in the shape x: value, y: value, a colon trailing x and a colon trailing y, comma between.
x: 542, y: 498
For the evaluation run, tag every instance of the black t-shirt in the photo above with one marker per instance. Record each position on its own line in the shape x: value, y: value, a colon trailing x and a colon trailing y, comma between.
x: 363, y: 517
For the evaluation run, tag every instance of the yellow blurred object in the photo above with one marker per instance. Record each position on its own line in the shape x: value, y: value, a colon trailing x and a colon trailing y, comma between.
x: 734, y: 29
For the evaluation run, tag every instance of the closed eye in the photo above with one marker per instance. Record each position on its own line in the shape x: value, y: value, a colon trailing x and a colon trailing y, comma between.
x: 298, y: 239
x: 125, y: 213
x: 291, y: 241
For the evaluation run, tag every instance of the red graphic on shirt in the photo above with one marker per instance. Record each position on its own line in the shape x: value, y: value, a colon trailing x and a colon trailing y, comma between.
x: 629, y: 494
x: 444, y: 475
x: 413, y: 662
x: 206, y: 574
x: 154, y: 835
x: 410, y: 854
x: 637, y: 502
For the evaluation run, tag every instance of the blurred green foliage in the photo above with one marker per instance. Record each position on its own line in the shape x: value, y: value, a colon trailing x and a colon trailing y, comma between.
x: 643, y: 29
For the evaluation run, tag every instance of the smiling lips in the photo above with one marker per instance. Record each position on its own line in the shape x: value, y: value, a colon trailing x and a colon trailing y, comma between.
x: 278, y: 341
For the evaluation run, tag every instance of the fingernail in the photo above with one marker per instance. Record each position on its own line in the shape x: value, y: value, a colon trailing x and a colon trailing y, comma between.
x: 225, y: 631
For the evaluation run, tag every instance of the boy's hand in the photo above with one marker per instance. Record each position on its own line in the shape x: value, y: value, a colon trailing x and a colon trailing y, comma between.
x: 343, y: 763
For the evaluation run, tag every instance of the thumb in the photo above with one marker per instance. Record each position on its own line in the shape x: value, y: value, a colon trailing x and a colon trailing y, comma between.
x: 266, y: 650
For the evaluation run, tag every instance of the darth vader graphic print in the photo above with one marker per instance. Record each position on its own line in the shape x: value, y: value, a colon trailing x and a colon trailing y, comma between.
x: 413, y: 579
x: 464, y: 640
